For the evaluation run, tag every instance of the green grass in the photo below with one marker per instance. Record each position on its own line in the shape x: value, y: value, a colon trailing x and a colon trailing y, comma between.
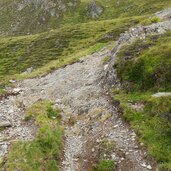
x: 44, y: 152
x: 50, y: 50
x: 105, y: 165
x: 148, y: 66
x: 143, y: 68
x: 152, y: 124
x: 104, y: 161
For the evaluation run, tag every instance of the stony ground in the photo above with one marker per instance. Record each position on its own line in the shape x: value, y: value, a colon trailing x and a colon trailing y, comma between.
x: 89, y: 115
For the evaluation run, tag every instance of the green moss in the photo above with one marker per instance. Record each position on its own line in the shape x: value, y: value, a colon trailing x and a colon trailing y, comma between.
x: 42, y: 153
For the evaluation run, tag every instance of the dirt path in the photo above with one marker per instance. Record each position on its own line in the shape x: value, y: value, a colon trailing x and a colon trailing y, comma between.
x: 88, y: 113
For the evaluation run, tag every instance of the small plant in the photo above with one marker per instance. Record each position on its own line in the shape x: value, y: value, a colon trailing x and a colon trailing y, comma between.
x: 28, y: 117
x: 105, y: 165
x: 52, y: 113
x: 106, y: 59
x: 72, y: 120
x: 151, y: 21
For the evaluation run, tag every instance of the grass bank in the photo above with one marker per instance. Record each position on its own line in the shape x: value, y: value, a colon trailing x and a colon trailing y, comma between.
x: 150, y: 117
x: 44, y: 152
x: 143, y: 68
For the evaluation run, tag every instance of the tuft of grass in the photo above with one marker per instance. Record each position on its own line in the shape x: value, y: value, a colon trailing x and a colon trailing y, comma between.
x: 44, y: 152
x: 150, y: 20
x: 153, y: 123
x: 105, y: 165
x: 104, y: 162
x: 53, y: 113
x: 106, y: 59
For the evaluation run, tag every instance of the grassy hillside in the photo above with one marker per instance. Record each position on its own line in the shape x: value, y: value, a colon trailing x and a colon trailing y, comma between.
x: 15, y: 16
x: 59, y: 47
x: 48, y: 34
x: 145, y: 65
x: 144, y: 69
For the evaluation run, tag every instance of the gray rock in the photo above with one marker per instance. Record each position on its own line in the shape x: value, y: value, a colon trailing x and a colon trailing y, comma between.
x: 94, y: 10
x: 162, y: 94
x: 164, y: 14
x: 5, y: 124
x: 149, y: 167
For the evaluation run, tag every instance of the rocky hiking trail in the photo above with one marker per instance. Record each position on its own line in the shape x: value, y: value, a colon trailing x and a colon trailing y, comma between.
x: 90, y: 117
x: 77, y: 90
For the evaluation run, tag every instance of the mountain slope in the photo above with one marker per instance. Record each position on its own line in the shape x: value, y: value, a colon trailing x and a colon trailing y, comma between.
x: 59, y: 46
x: 27, y: 17
x: 59, y: 60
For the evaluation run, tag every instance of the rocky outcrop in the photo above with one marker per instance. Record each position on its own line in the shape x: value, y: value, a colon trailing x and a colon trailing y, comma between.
x: 53, y: 7
x: 162, y: 94
x: 94, y: 10
x: 4, y: 124
x: 164, y: 14
x: 33, y: 16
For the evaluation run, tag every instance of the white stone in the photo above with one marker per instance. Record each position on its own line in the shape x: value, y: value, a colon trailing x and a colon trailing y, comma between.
x: 149, y: 167
x: 93, y: 150
x: 162, y: 94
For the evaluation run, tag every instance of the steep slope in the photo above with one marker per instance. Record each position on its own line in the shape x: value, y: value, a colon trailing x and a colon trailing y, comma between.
x: 80, y: 91
x: 27, y: 17
x: 46, y: 51
x: 96, y: 135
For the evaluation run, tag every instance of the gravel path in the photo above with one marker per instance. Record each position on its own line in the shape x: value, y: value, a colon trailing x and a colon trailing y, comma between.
x: 77, y: 90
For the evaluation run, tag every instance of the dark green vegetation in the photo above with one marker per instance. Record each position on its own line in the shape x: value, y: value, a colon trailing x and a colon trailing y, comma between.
x: 42, y: 153
x: 105, y: 165
x: 104, y: 161
x: 144, y: 69
x: 145, y: 65
x: 15, y: 16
